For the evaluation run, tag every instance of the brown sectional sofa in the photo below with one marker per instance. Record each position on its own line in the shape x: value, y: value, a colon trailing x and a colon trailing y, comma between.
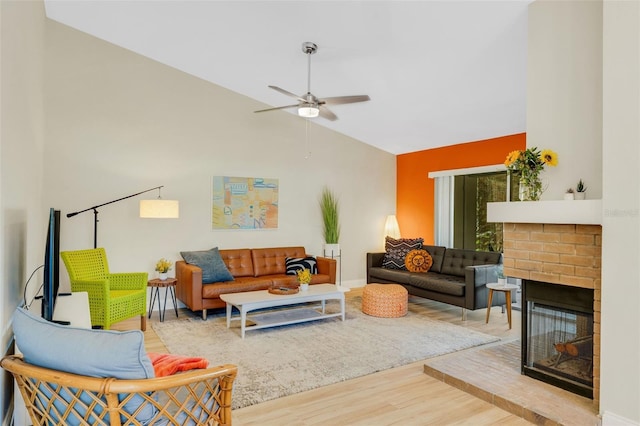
x: 457, y: 277
x: 252, y: 269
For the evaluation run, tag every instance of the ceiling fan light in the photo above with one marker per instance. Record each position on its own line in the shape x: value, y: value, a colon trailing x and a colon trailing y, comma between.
x: 308, y: 111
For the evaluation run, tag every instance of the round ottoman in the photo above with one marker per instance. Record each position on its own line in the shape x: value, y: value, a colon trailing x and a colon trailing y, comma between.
x: 385, y: 300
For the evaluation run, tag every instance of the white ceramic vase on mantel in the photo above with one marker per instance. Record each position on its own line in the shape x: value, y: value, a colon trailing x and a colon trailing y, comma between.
x: 332, y: 250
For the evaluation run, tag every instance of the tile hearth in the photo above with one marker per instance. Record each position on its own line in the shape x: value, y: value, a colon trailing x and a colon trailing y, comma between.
x: 493, y: 375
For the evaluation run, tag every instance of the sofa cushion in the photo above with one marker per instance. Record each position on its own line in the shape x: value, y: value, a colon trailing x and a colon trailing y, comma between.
x: 294, y: 264
x: 396, y: 250
x: 240, y: 284
x: 440, y: 283
x: 238, y: 262
x: 213, y: 268
x: 437, y: 255
x: 455, y: 260
x: 272, y: 261
x: 418, y: 261
x: 386, y: 274
x: 94, y: 353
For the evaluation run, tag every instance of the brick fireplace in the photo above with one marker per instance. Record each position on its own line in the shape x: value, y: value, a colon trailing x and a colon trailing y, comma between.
x: 559, y: 254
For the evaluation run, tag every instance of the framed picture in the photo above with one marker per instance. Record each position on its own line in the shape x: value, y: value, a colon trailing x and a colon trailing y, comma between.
x: 244, y: 203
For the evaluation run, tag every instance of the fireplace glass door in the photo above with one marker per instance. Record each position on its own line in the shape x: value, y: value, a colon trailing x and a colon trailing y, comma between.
x: 558, y: 336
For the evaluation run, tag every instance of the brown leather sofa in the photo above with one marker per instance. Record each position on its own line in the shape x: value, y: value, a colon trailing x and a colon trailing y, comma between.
x: 252, y: 269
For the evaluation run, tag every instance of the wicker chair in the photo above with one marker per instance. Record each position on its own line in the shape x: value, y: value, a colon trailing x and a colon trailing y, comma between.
x: 196, y: 397
x: 112, y: 297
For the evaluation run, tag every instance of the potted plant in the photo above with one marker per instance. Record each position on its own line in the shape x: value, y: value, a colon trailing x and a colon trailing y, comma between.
x: 330, y: 222
x: 502, y: 280
x: 580, y: 190
x: 569, y: 194
x: 162, y: 267
x: 304, y: 278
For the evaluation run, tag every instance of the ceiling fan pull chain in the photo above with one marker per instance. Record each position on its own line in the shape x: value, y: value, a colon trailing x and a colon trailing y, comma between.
x: 306, y: 137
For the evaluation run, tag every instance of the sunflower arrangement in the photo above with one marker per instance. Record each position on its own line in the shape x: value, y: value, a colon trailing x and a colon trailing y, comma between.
x: 304, y: 276
x: 528, y: 164
x: 163, y: 266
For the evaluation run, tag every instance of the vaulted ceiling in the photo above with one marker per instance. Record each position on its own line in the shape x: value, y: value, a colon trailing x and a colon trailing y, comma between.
x: 438, y: 72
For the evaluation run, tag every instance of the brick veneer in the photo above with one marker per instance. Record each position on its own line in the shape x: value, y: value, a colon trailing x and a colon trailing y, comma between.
x: 559, y: 254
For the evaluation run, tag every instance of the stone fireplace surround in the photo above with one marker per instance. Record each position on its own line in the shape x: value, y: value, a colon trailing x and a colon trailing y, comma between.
x: 558, y: 242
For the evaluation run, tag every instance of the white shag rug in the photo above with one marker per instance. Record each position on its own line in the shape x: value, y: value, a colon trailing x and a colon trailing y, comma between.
x: 281, y: 361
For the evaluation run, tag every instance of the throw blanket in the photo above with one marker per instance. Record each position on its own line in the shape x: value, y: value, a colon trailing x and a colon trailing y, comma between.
x: 168, y: 364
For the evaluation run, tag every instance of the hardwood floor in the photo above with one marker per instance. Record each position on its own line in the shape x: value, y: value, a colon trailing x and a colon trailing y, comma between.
x: 399, y: 396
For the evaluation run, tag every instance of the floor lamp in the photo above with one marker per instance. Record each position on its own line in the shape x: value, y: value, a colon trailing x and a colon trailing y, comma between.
x: 158, y: 208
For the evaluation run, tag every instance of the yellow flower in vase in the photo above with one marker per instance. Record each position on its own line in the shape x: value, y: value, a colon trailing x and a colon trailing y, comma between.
x: 163, y: 266
x: 304, y: 276
x: 528, y: 164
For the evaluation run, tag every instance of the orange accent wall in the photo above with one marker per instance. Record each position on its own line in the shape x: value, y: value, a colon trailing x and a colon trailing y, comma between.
x: 415, y: 191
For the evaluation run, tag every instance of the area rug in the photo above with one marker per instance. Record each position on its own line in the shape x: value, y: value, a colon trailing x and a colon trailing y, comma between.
x: 281, y: 361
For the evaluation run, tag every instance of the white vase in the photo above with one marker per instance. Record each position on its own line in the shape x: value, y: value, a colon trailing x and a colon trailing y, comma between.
x: 580, y: 195
x: 304, y: 287
x: 332, y: 250
x: 162, y: 276
x: 569, y: 196
x: 523, y: 191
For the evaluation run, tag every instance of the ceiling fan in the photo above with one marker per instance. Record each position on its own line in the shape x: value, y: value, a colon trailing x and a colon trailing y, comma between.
x: 309, y: 106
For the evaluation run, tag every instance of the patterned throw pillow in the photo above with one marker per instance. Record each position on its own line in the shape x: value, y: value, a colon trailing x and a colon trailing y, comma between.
x: 293, y: 264
x: 397, y: 249
x: 418, y: 261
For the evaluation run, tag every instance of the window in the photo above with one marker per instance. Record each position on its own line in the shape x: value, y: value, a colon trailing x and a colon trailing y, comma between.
x: 471, y: 194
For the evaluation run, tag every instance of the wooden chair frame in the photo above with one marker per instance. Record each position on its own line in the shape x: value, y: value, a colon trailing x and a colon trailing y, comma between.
x: 198, y: 397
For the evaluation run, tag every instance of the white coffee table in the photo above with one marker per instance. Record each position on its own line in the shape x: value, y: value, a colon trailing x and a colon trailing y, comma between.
x: 253, y: 300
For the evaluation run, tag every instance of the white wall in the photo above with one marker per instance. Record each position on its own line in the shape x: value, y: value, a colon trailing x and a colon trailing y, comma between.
x: 583, y: 100
x: 620, y: 344
x: 564, y: 92
x: 22, y: 218
x: 118, y: 123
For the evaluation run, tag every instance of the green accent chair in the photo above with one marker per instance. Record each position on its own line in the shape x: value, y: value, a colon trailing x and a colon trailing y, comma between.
x: 112, y: 297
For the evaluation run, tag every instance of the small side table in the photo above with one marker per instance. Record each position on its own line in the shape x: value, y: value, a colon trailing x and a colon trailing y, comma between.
x: 169, y: 284
x: 507, y: 289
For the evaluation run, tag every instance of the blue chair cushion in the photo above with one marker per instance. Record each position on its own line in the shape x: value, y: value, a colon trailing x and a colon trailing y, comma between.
x: 94, y: 353
x: 213, y: 268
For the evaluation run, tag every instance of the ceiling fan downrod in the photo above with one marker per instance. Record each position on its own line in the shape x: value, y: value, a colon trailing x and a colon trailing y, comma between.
x: 309, y: 49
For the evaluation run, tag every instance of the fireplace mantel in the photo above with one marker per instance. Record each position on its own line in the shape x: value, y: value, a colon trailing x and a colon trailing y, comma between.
x: 580, y: 212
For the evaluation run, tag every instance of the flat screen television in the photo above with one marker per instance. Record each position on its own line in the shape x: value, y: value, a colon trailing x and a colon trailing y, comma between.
x: 51, y: 265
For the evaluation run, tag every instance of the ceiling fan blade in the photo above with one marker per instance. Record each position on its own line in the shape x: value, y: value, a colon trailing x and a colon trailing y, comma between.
x: 339, y: 100
x: 326, y: 113
x: 284, y: 92
x: 276, y: 108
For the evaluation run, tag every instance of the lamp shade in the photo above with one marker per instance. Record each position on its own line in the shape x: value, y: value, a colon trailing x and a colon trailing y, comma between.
x: 391, y: 227
x: 160, y: 209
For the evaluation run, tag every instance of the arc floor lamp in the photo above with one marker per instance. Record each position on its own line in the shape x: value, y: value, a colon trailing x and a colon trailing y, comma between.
x: 158, y: 208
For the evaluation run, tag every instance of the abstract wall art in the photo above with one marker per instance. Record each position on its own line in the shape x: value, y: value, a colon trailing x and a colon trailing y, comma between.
x: 244, y: 203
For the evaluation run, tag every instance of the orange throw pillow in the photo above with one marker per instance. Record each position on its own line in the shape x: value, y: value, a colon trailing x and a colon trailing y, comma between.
x: 168, y: 364
x: 418, y: 261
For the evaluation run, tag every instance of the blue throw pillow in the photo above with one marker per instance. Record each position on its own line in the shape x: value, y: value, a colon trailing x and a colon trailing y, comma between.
x: 95, y: 353
x: 294, y: 264
x: 213, y: 268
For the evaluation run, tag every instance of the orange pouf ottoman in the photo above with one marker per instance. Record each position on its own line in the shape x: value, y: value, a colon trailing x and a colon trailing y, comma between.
x: 385, y: 300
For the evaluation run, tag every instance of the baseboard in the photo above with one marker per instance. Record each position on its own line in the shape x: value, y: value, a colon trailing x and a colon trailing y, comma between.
x: 612, y: 419
x: 353, y: 283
